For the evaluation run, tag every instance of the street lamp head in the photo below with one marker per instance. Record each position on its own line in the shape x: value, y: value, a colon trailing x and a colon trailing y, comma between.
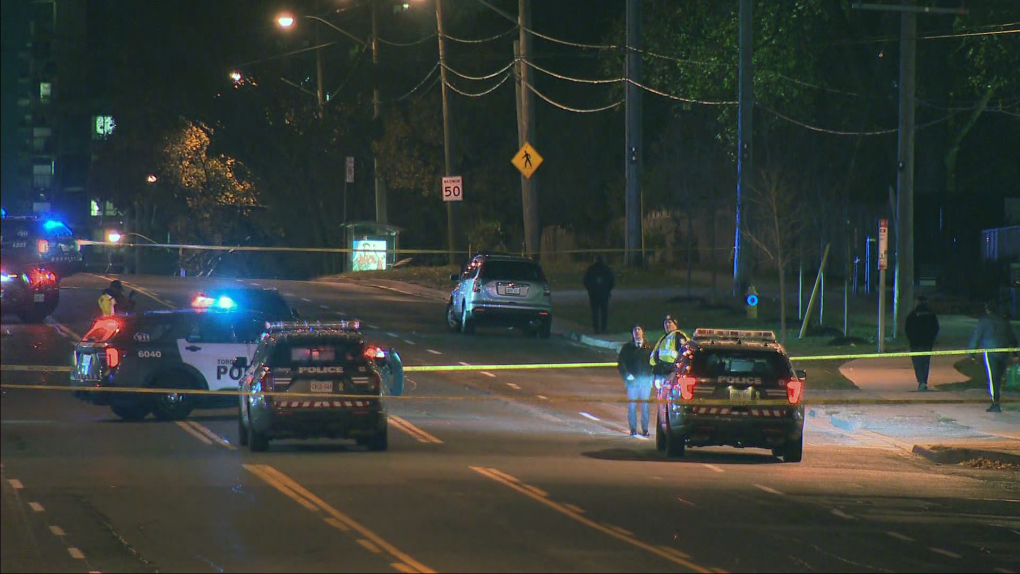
x: 285, y: 21
x: 114, y: 237
x: 236, y: 76
x: 151, y: 178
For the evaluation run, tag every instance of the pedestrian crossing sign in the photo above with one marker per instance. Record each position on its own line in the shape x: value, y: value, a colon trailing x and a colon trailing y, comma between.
x: 527, y: 160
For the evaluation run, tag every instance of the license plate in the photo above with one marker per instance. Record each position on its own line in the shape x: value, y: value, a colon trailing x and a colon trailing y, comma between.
x: 322, y: 386
x: 40, y: 298
x: 741, y: 397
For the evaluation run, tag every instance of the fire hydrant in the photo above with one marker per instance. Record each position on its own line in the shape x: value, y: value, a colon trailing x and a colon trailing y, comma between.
x: 751, y: 300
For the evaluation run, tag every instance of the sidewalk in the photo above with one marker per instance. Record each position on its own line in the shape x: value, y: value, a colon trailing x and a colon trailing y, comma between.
x: 953, y: 430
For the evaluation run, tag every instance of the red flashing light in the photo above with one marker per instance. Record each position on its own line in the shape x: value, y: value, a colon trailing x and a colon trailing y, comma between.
x: 373, y: 352
x: 112, y: 357
x: 202, y: 301
x: 687, y: 384
x: 44, y: 246
x: 38, y: 276
x: 794, y: 390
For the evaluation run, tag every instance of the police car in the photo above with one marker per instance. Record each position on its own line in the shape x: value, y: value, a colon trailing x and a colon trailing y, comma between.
x: 186, y: 349
x: 35, y: 254
x: 265, y: 300
x: 319, y: 380
x: 732, y: 388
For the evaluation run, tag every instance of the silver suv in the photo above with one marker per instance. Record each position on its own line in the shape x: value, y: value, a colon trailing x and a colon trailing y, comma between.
x: 500, y: 290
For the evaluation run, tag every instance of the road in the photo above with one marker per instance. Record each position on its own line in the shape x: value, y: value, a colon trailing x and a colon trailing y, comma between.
x: 486, y: 472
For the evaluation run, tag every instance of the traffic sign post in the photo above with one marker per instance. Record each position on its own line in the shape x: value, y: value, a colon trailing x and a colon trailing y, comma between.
x: 348, y: 178
x: 453, y: 188
x: 883, y: 264
x: 527, y: 160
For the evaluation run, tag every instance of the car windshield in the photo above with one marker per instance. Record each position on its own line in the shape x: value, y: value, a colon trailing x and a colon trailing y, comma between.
x: 726, y: 362
x: 318, y: 352
x: 512, y: 271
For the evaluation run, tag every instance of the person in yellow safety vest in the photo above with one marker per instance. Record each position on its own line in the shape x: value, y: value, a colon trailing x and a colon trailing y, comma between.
x: 114, y: 297
x: 666, y: 350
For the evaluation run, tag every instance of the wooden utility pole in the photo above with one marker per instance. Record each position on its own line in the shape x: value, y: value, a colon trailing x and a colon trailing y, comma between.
x: 526, y: 132
x: 903, y: 280
x: 451, y: 206
x: 633, y: 158
x: 745, y: 129
x: 381, y: 212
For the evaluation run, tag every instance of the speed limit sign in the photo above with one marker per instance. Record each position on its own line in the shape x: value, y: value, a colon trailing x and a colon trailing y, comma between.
x: 453, y: 188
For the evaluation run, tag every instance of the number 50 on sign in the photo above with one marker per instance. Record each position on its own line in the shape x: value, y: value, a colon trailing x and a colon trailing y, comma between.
x: 453, y: 188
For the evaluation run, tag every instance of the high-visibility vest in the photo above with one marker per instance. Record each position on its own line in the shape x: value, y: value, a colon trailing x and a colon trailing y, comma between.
x: 666, y: 350
x: 107, y: 304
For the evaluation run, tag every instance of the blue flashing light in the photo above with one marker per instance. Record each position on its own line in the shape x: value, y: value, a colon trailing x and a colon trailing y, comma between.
x: 4, y: 278
x: 3, y: 213
x: 52, y: 224
x: 225, y: 302
x: 752, y: 300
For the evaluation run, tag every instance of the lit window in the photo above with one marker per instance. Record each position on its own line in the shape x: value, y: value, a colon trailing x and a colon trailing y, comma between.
x: 104, y: 126
x: 94, y: 211
x: 45, y: 90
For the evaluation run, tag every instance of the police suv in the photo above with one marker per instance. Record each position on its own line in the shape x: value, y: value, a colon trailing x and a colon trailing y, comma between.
x: 185, y: 349
x: 321, y: 380
x: 35, y: 254
x: 732, y: 388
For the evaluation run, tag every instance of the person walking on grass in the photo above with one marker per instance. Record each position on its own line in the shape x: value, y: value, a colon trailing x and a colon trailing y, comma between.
x: 922, y: 329
x: 599, y: 282
x: 993, y: 331
x: 632, y: 362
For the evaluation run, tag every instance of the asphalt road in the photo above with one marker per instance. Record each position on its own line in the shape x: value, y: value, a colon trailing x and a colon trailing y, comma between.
x: 486, y: 472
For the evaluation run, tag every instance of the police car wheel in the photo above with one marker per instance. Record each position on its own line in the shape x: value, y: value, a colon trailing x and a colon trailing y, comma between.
x: 242, y: 431
x: 129, y: 411
x: 172, y: 406
x: 675, y: 444
x: 545, y: 329
x: 377, y: 442
x: 794, y: 451
x: 660, y: 437
x: 257, y: 442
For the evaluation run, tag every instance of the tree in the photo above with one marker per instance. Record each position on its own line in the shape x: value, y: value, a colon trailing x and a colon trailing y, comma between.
x: 778, y: 227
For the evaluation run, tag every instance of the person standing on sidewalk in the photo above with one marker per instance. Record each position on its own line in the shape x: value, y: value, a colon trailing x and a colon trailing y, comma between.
x: 632, y: 362
x: 599, y: 282
x: 666, y: 351
x: 922, y: 329
x: 993, y: 331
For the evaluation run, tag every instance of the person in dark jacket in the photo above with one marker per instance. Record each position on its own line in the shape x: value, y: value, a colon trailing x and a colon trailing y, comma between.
x: 993, y: 331
x: 599, y: 282
x: 632, y: 363
x: 922, y: 329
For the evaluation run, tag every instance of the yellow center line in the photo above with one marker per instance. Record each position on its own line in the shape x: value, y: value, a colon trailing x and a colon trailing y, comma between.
x: 398, y: 423
x: 287, y: 491
x: 406, y: 426
x: 336, y: 524
x: 400, y: 566
x: 346, y: 520
x: 209, y: 433
x: 369, y: 546
x: 188, y: 429
x: 517, y: 485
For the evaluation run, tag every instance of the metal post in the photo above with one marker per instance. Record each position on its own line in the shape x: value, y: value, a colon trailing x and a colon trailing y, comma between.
x: 633, y: 153
x: 318, y: 73
x: 881, y: 310
x: 867, y: 265
x: 745, y: 126
x: 903, y: 280
x: 529, y: 186
x: 381, y: 215
x: 451, y: 206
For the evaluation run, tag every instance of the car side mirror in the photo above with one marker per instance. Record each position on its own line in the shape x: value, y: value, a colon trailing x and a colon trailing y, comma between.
x: 802, y: 375
x: 240, y: 363
x: 455, y: 277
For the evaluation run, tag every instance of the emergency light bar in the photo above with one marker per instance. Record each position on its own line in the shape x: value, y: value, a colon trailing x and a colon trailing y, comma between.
x: 765, y: 336
x: 352, y: 325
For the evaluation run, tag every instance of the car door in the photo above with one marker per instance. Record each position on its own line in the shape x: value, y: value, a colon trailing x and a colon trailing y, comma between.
x: 211, y: 348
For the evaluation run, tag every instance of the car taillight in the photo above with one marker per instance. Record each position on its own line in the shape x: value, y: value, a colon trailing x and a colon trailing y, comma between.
x: 794, y: 390
x: 373, y: 352
x: 686, y: 385
x: 112, y: 357
x: 476, y: 286
x: 37, y: 276
x: 44, y: 246
x: 266, y: 381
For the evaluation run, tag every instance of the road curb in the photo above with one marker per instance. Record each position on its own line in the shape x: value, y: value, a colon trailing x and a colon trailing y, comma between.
x: 595, y: 342
x: 956, y: 455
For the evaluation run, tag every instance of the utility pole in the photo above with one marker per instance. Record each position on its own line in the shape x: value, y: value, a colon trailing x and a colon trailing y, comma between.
x: 451, y: 206
x: 633, y: 158
x: 526, y: 133
x: 903, y: 280
x: 380, y: 184
x: 745, y: 127
x: 318, y: 74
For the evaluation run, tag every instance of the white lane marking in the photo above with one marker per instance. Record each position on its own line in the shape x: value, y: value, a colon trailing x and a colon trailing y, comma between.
x: 488, y: 374
x: 409, y: 342
x: 542, y: 397
x: 306, y: 299
x: 372, y: 327
x: 841, y: 514
x: 57, y: 531
x: 393, y: 335
x: 323, y: 306
x: 513, y: 386
x: 36, y: 507
x: 1003, y: 571
x: 75, y: 553
x: 15, y: 483
x: 288, y: 294
x: 713, y: 467
x: 945, y: 552
x: 465, y: 364
x: 768, y: 490
x: 588, y: 416
x: 256, y: 284
x: 433, y: 351
x: 899, y: 536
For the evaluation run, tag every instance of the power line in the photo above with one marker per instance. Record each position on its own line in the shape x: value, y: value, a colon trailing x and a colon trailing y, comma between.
x: 407, y: 44
x: 354, y: 68
x: 680, y: 98
x: 571, y: 78
x: 481, y: 40
x: 479, y: 78
x: 422, y: 82
x: 479, y: 94
x: 286, y: 54
x: 571, y: 109
x: 848, y: 133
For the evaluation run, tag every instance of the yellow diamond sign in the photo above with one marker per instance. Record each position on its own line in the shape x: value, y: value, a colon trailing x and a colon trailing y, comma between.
x: 527, y: 160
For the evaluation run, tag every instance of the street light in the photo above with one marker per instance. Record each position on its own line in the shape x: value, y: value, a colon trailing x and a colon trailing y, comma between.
x: 285, y: 21
x: 151, y: 178
x: 236, y: 76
